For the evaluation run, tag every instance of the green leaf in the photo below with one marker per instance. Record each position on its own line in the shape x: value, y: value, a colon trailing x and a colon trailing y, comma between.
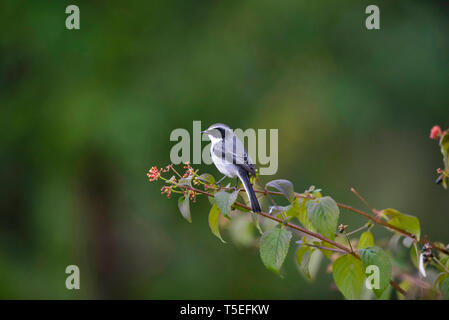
x: 291, y: 210
x: 274, y: 210
x: 274, y: 246
x: 375, y: 256
x: 366, y: 240
x: 225, y: 200
x: 403, y: 221
x: 444, y: 287
x: 211, y: 199
x: 327, y: 253
x: 348, y: 276
x: 213, y: 222
x: 184, y: 207
x: 405, y: 285
x: 440, y: 278
x: 303, y: 216
x: 241, y: 230
x: 285, y: 187
x: 255, y: 218
x: 308, y: 260
x: 207, y: 178
x: 324, y: 213
x: 413, y: 256
x: 444, y: 259
x: 386, y: 294
x: 444, y: 145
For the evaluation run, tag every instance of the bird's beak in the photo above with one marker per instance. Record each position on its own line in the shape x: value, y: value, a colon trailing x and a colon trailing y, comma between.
x: 205, y: 131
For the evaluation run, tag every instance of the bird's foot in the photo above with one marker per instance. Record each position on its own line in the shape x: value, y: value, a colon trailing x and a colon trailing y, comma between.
x: 218, y: 183
x: 235, y: 188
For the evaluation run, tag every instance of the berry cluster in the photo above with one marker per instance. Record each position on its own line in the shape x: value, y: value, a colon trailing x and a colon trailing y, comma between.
x: 190, y: 177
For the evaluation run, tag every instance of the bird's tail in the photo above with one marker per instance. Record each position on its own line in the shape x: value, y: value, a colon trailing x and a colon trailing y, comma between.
x: 255, y: 207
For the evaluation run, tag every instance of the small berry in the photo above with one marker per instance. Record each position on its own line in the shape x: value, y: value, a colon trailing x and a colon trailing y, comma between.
x: 153, y: 173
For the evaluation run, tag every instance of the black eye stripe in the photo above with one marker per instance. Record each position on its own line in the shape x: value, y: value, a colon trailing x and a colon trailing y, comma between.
x: 222, y: 132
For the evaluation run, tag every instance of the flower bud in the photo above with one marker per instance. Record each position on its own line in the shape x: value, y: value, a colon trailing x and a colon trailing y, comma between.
x: 435, y: 132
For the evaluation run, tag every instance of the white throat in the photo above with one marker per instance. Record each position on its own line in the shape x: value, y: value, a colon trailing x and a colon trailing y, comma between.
x: 213, y: 139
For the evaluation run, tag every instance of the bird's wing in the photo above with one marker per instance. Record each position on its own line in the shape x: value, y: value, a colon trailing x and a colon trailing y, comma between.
x: 231, y: 150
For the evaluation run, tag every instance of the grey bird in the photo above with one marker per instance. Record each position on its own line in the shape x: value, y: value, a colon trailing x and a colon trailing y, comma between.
x: 231, y: 159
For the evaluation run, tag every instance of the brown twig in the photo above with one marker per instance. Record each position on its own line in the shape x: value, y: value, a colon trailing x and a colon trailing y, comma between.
x: 299, y: 228
x: 324, y: 248
x: 375, y: 219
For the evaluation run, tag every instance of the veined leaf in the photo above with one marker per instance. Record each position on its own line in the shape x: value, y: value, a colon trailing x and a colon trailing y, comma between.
x: 214, y: 214
x: 308, y: 260
x: 387, y: 293
x: 292, y: 210
x: 303, y: 215
x: 225, y: 200
x: 375, y: 256
x: 444, y: 287
x: 403, y: 221
x: 324, y: 213
x: 207, y: 178
x: 414, y: 255
x: 285, y: 187
x: 441, y: 277
x: 327, y: 253
x: 184, y: 207
x: 366, y: 240
x: 348, y: 276
x: 274, y: 246
x: 273, y: 210
x: 444, y: 260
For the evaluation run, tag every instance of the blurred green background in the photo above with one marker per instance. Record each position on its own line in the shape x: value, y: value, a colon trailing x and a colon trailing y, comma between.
x: 85, y: 113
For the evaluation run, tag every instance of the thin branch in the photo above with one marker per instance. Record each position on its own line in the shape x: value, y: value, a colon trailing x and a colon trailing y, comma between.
x: 349, y: 242
x: 441, y: 264
x: 398, y: 288
x: 324, y: 248
x: 299, y: 228
x: 375, y: 219
x: 358, y: 229
x: 362, y: 199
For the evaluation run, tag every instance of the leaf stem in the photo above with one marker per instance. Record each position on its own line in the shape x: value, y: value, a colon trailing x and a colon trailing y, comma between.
x: 358, y: 229
x: 441, y: 264
x: 349, y: 242
x: 174, y: 170
x: 324, y: 248
x: 299, y: 228
x: 375, y: 219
